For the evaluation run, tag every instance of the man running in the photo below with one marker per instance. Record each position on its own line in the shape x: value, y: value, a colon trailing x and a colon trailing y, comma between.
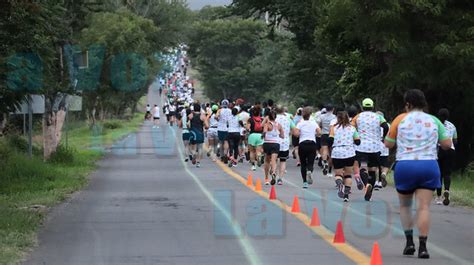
x: 183, y: 124
x: 287, y: 124
x: 197, y: 122
x: 325, y: 121
x: 156, y: 117
x: 255, y: 141
x: 223, y: 116
x: 368, y: 125
x: 446, y: 158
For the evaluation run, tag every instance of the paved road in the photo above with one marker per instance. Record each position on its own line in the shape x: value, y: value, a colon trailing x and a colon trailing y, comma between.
x: 145, y: 206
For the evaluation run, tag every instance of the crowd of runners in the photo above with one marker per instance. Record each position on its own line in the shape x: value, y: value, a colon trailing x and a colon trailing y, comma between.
x: 348, y: 144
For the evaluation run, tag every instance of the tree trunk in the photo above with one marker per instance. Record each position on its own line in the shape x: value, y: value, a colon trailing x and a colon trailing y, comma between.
x: 52, y: 130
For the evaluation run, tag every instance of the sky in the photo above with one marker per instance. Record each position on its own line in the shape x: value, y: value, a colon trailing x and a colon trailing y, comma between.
x: 198, y: 4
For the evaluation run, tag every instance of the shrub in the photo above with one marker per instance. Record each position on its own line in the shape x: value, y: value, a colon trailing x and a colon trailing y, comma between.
x: 112, y: 125
x: 63, y: 155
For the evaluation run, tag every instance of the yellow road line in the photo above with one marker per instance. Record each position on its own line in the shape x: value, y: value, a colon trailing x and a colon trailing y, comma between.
x: 348, y: 250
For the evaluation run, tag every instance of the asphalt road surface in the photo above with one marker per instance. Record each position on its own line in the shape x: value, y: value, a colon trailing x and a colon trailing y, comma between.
x: 144, y: 205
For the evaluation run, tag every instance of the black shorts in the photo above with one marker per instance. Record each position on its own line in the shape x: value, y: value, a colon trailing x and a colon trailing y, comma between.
x: 339, y: 163
x: 318, y: 143
x: 372, y: 159
x: 156, y: 118
x: 325, y: 140
x: 295, y: 141
x: 271, y: 148
x: 172, y: 114
x: 385, y: 162
x: 283, y: 155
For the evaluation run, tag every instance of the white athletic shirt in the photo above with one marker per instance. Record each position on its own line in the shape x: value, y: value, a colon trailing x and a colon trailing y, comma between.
x: 307, y: 130
x: 344, y: 137
x: 156, y: 112
x: 172, y: 108
x: 184, y: 120
x: 213, y: 122
x: 234, y: 126
x: 368, y: 124
x: 148, y: 108
x: 286, y: 124
x: 224, y: 115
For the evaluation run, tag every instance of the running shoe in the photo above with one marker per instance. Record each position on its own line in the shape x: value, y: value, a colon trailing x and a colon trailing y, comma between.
x: 340, y: 188
x: 308, y: 177
x: 346, y: 197
x: 273, y: 181
x: 360, y: 184
x: 330, y: 175
x: 325, y: 169
x: 368, y: 192
x: 234, y: 164
x: 247, y: 156
x: 194, y: 159
x: 383, y: 179
x: 423, y: 253
x: 190, y: 157
x: 294, y: 154
x: 198, y: 165
x: 186, y: 160
x: 241, y: 160
x: 298, y: 164
x: 438, y: 200
x: 254, y: 168
x: 378, y: 185
x: 409, y: 249
x: 446, y: 197
x: 279, y: 181
x: 209, y: 154
x: 305, y: 185
x: 262, y: 160
x: 320, y: 162
x: 267, y: 182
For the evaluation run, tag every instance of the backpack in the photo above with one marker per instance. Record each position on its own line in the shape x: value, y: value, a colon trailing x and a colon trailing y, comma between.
x: 257, y: 125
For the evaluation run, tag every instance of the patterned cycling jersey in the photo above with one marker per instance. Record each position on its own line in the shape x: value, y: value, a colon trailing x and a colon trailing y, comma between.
x: 451, y: 131
x: 343, y: 146
x: 368, y: 125
x: 417, y: 135
x: 287, y: 124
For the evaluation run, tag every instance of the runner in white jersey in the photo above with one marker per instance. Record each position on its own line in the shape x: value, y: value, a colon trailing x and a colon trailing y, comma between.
x: 223, y: 116
x: 183, y: 124
x: 324, y: 123
x: 368, y: 124
x: 446, y: 158
x: 212, y: 132
x: 156, y: 117
x: 287, y: 124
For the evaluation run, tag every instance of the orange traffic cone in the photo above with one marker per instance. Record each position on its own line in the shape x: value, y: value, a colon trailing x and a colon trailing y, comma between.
x: 249, y: 180
x: 258, y: 185
x: 339, y: 236
x: 296, y: 205
x: 315, y: 218
x: 376, y: 258
x: 273, y: 195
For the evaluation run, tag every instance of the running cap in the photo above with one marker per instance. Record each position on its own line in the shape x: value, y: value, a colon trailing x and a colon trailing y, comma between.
x: 225, y: 103
x: 368, y: 103
x: 323, y: 111
x: 215, y: 107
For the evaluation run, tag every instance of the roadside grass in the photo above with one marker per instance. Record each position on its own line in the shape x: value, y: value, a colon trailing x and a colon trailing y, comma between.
x: 461, y: 191
x: 29, y: 187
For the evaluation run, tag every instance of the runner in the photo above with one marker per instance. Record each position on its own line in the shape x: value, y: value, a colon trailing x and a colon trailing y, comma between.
x: 235, y: 126
x: 172, y: 114
x: 325, y: 125
x: 255, y: 141
x: 212, y: 133
x: 416, y: 135
x: 295, y: 141
x: 446, y: 158
x: 197, y: 122
x: 342, y: 138
x: 384, y: 165
x: 223, y: 116
x: 272, y: 133
x: 156, y: 117
x: 306, y: 130
x: 244, y: 116
x: 148, y: 112
x: 183, y: 124
x: 368, y: 124
x: 287, y: 124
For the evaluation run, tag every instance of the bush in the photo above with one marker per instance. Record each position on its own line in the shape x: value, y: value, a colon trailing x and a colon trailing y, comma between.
x: 63, y: 155
x: 112, y: 125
